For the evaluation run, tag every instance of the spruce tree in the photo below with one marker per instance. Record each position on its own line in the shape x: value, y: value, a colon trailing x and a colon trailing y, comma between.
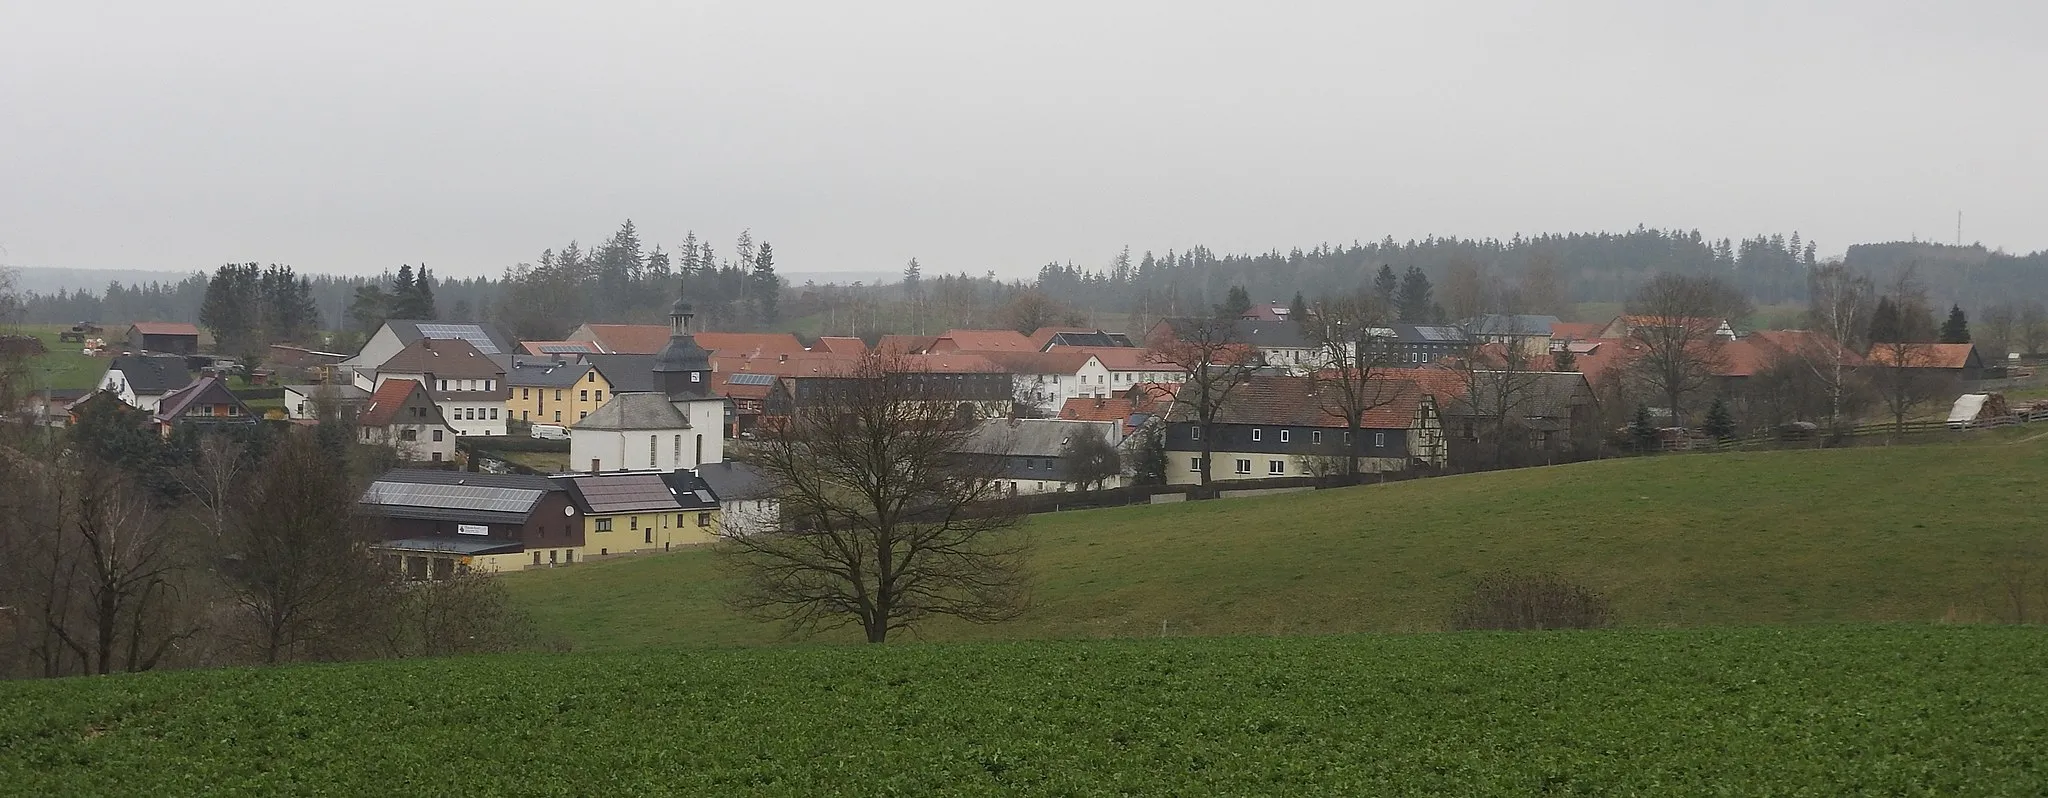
x: 1298, y: 309
x: 1641, y: 431
x: 423, y: 296
x: 767, y: 288
x: 402, y: 293
x: 1564, y: 360
x: 1386, y: 286
x: 1957, y: 329
x: 1885, y: 322
x: 1235, y: 303
x: 1719, y: 423
x: 1417, y: 302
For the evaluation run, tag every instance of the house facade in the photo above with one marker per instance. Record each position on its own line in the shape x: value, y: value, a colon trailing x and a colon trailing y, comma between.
x: 632, y: 512
x: 552, y: 391
x: 467, y: 384
x: 206, y: 401
x: 746, y: 497
x: 1032, y: 454
x: 1273, y: 427
x: 343, y: 401
x: 432, y: 524
x: 141, y: 381
x: 396, y: 334
x: 403, y: 415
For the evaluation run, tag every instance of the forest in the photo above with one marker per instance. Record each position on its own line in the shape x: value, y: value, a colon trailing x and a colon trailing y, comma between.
x: 621, y: 279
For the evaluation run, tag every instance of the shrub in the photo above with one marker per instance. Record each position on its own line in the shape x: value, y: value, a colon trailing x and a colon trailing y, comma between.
x: 1512, y: 601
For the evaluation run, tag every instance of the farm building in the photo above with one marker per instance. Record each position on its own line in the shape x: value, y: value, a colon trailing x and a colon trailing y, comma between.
x: 169, y: 337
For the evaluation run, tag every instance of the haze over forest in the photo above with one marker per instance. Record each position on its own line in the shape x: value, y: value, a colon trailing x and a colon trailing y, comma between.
x: 471, y: 136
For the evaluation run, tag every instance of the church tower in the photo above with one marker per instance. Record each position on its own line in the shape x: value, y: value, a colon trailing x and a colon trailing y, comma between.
x: 683, y: 369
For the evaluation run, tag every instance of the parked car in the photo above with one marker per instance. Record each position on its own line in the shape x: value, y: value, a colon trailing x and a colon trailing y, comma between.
x: 552, y: 432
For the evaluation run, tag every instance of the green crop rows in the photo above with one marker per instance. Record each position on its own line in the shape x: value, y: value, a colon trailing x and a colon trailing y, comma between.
x: 1833, y: 711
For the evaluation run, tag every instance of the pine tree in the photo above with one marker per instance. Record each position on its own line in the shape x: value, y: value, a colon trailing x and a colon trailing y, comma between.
x: 1885, y: 322
x: 1236, y: 303
x: 423, y: 296
x: 1416, y: 302
x: 1564, y: 360
x: 1719, y: 423
x: 913, y: 278
x: 402, y: 296
x: 1298, y: 309
x: 1386, y: 285
x: 1957, y: 329
x: 1641, y: 430
x: 767, y: 287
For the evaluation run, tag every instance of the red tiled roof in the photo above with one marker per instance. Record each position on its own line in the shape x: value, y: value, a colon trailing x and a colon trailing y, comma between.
x: 796, y: 365
x: 1809, y: 341
x: 841, y: 345
x: 904, y: 344
x: 630, y: 339
x: 1056, y: 362
x: 443, y: 358
x: 983, y: 341
x: 1120, y: 358
x: 1919, y: 356
x: 1293, y: 401
x: 961, y: 362
x: 165, y: 328
x: 383, y: 406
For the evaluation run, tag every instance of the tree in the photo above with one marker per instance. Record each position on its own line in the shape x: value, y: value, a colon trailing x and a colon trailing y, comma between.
x: 1998, y: 330
x: 2033, y: 327
x: 300, y: 574
x: 1148, y: 455
x: 886, y: 523
x: 766, y: 287
x: 1839, y: 306
x: 1884, y: 322
x: 1902, y: 360
x: 1498, y: 385
x: 233, y: 308
x: 1719, y: 423
x: 1957, y: 329
x: 404, y: 296
x: 913, y: 279
x: 1510, y: 601
x: 423, y: 296
x: 1351, y: 335
x: 1680, y: 317
x: 1298, y: 309
x: 1211, y: 363
x: 1417, y: 304
x: 1032, y: 309
x: 370, y: 307
x: 1386, y: 287
x: 1235, y: 303
x: 1090, y: 460
x: 1564, y: 360
x: 1641, y: 431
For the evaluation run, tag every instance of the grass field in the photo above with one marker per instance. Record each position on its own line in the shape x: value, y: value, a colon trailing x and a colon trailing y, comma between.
x: 63, y: 366
x: 1836, y: 711
x: 1906, y: 533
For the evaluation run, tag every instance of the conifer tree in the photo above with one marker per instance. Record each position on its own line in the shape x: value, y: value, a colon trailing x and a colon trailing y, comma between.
x: 1386, y: 286
x: 1641, y: 430
x: 1957, y: 329
x: 1417, y: 301
x: 1719, y: 423
x: 1298, y: 309
x: 767, y: 288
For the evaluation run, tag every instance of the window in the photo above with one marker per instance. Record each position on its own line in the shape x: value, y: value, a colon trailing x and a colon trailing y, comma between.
x: 437, y: 455
x: 1194, y: 464
x: 558, y: 416
x: 1276, y: 467
x: 580, y: 414
x: 648, y: 536
x: 604, y: 525
x: 494, y: 415
x: 1255, y: 433
x: 523, y: 415
x: 679, y: 450
x: 469, y: 414
x: 696, y: 376
x: 558, y: 397
x: 1315, y: 436
x: 1283, y: 436
x: 490, y: 385
x: 1244, y: 466
x: 552, y: 554
x: 234, y: 410
x: 1379, y: 439
x: 569, y: 556
x: 703, y: 519
x: 408, y: 435
x: 583, y: 396
x: 437, y: 436
x: 526, y: 393
x: 1195, y: 433
x: 442, y: 383
x: 650, y: 449
x: 679, y: 519
x: 633, y: 522
x: 590, y: 377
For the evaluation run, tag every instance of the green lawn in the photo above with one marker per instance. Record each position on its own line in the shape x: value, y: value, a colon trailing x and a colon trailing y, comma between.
x: 63, y: 366
x: 1906, y: 533
x: 1875, y: 710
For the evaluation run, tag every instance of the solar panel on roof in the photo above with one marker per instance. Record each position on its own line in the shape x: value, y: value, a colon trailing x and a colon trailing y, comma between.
x: 703, y: 495
x: 562, y: 349
x: 467, y: 332
x: 751, y: 379
x: 452, y: 497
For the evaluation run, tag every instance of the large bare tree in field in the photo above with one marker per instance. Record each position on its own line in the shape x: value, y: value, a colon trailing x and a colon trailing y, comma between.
x: 1839, y: 304
x: 886, y: 523
x: 1357, y: 348
x: 1677, y: 322
x: 299, y: 567
x: 1212, y: 363
x: 1901, y: 366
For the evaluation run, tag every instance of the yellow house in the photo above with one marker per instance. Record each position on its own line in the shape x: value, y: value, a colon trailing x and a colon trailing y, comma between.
x: 548, y: 393
x: 625, y: 512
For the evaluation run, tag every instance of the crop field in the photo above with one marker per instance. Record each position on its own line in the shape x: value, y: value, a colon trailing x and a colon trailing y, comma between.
x: 1875, y: 710
x: 1892, y: 534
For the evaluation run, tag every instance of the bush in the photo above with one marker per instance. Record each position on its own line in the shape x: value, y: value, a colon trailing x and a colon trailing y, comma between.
x: 1510, y: 601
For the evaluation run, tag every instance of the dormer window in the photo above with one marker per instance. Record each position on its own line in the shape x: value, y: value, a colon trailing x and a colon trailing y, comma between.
x: 696, y: 376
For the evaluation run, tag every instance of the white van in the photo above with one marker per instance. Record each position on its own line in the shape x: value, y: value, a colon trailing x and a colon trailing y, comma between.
x: 552, y: 432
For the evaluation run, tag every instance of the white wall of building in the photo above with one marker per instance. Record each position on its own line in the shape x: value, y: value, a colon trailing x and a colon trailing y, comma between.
x: 117, y: 381
x: 474, y: 417
x: 655, y: 449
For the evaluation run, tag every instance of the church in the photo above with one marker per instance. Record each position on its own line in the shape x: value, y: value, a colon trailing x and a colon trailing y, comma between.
x: 678, y: 425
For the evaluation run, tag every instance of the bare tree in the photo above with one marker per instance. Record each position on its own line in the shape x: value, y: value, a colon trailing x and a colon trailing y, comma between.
x: 298, y: 564
x: 1678, y: 318
x: 1357, y: 348
x: 887, y: 524
x: 1901, y: 368
x: 120, y: 568
x: 1997, y: 330
x: 2032, y: 331
x: 1839, y: 304
x: 1032, y: 309
x: 1468, y: 290
x: 1499, y: 383
x: 1212, y: 363
x: 1090, y: 460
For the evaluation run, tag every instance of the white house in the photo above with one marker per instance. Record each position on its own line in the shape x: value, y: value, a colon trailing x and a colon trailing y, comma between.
x: 680, y: 424
x: 396, y: 334
x: 141, y: 381
x: 468, y: 385
x: 746, y: 499
x: 1033, y: 451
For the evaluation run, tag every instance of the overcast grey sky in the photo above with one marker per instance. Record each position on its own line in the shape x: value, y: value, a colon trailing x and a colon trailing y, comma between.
x: 351, y: 137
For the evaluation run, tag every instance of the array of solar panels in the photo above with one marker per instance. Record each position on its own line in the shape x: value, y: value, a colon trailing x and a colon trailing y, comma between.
x: 749, y: 378
x: 1439, y: 333
x: 618, y: 494
x: 468, y: 332
x: 452, y: 497
x: 563, y: 349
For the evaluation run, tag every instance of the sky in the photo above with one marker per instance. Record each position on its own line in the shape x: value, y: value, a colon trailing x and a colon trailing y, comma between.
x: 351, y: 137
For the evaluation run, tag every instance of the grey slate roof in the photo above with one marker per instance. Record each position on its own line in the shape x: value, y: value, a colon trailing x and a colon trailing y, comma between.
x: 1031, y: 437
x: 1432, y: 334
x: 634, y: 411
x: 736, y: 481
x: 450, y: 546
x: 691, y: 491
x: 545, y: 375
x: 626, y: 373
x: 152, y: 374
x: 1501, y: 324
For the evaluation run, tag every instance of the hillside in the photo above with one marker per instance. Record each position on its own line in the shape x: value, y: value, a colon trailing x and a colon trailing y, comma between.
x: 1904, y: 533
x: 1839, y: 711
